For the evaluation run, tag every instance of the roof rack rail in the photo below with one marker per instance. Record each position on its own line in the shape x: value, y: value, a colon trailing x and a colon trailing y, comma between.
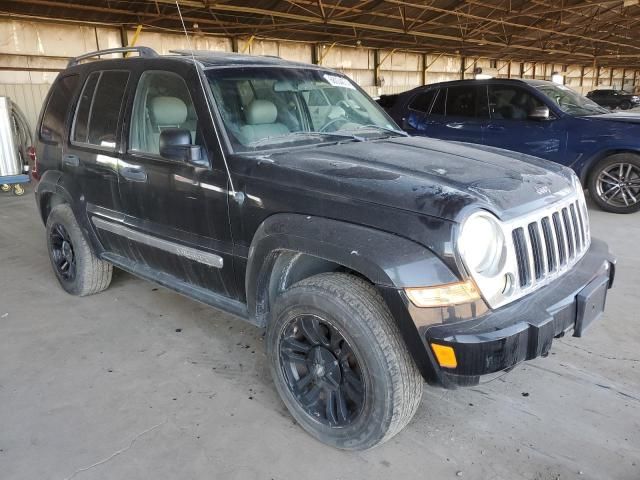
x: 142, y: 51
x: 216, y: 52
x: 185, y: 52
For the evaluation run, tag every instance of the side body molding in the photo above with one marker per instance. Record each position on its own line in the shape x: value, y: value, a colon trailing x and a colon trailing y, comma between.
x: 385, y: 259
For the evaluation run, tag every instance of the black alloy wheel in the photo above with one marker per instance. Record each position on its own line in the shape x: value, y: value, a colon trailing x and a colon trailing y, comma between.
x: 322, y: 371
x: 78, y: 270
x: 62, y: 252
x: 339, y: 363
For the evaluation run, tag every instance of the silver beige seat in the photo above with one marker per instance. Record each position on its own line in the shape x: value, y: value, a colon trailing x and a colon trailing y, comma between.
x: 165, y: 112
x: 261, y: 117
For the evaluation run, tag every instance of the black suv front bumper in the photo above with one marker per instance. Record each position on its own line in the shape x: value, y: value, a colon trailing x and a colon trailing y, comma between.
x: 497, y: 340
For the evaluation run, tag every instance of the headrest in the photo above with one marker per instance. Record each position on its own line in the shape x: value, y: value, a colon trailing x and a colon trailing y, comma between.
x: 260, y: 112
x: 168, y: 111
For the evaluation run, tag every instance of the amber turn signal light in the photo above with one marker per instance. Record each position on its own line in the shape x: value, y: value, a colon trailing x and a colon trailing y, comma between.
x: 445, y: 355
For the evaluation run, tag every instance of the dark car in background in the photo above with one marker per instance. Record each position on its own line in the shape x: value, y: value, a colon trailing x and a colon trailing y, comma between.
x: 536, y: 118
x: 614, y: 99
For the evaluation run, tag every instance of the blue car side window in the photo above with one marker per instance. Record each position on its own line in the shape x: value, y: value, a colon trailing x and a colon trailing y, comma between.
x: 507, y: 102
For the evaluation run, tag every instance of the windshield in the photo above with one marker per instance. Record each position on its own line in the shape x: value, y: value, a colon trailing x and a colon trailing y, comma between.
x: 571, y: 102
x: 270, y: 107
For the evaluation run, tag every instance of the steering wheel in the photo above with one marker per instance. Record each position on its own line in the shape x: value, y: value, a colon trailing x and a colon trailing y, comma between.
x: 331, y: 122
x: 346, y: 106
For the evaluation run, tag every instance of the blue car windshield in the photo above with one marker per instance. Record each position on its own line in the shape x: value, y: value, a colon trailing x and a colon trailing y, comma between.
x: 571, y: 102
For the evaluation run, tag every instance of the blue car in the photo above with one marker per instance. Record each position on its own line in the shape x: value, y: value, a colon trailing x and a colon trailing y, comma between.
x: 537, y: 118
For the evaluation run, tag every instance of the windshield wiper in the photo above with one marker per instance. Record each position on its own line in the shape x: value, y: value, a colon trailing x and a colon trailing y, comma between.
x: 350, y: 136
x: 386, y: 129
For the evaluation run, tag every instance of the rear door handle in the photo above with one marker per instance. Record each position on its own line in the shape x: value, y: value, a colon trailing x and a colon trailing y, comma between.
x: 495, y: 128
x: 134, y: 174
x: 455, y: 125
x: 71, y: 160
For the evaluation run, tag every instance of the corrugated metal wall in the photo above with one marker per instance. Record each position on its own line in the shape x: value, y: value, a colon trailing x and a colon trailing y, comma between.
x: 31, y: 53
x: 28, y: 96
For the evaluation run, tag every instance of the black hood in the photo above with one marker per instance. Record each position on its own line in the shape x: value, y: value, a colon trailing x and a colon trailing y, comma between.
x: 428, y: 176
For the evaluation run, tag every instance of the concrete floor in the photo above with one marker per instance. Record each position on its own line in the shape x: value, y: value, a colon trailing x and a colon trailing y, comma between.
x: 141, y: 383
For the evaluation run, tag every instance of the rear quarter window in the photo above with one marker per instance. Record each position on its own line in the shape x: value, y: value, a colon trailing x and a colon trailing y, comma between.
x: 56, y: 111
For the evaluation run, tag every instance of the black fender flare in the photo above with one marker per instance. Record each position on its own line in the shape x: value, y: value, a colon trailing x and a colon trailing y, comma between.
x: 389, y: 261
x: 51, y: 183
x: 55, y: 182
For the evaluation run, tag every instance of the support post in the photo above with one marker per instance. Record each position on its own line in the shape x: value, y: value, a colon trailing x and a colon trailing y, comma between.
x: 376, y: 71
x: 124, y: 41
x: 611, y: 76
x: 424, y: 69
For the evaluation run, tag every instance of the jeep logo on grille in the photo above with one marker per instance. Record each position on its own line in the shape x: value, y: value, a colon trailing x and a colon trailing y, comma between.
x: 542, y: 190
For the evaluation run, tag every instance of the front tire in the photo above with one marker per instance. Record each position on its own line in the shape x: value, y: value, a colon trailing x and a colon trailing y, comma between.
x: 78, y: 270
x: 614, y: 183
x: 339, y: 363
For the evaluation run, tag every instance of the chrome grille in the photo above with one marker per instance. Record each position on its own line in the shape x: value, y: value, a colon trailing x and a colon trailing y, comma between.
x: 548, y: 244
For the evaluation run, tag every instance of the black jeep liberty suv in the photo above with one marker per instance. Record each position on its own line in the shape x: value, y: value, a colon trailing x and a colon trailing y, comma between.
x: 280, y: 193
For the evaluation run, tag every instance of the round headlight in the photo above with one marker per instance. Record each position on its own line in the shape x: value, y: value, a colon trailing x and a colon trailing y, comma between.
x: 482, y: 244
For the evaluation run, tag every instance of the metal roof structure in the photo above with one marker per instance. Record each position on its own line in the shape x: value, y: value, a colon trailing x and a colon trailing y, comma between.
x: 563, y: 31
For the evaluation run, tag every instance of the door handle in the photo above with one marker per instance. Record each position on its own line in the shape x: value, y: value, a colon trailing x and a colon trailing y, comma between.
x: 134, y: 174
x: 455, y: 125
x: 71, y: 160
x: 495, y: 128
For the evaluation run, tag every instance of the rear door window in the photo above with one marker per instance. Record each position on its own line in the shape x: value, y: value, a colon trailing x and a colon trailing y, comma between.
x: 57, y: 109
x: 81, y: 123
x: 99, y: 108
x: 440, y: 103
x: 468, y: 101
x: 422, y: 101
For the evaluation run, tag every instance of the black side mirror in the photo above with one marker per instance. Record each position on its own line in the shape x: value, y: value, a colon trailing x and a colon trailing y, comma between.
x: 175, y: 144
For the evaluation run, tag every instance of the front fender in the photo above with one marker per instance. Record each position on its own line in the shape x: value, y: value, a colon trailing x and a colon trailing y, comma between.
x: 384, y: 258
x: 387, y: 260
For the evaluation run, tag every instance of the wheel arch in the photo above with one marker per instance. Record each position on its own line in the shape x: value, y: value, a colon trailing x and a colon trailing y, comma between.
x: 588, y: 165
x: 51, y: 193
x: 290, y: 247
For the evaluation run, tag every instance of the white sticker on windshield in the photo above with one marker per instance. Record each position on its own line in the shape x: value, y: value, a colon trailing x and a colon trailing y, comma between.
x: 338, y: 81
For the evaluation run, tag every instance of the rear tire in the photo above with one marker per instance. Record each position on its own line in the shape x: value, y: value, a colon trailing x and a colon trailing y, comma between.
x: 78, y: 270
x: 614, y: 183
x: 339, y: 363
